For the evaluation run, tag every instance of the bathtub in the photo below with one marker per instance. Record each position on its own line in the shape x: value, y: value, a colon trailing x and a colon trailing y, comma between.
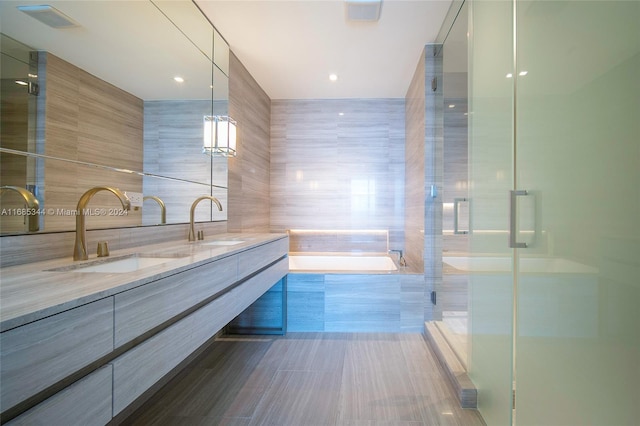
x: 342, y: 292
x: 341, y: 263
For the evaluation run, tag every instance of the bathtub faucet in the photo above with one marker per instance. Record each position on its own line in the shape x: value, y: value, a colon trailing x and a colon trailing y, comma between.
x: 401, y: 259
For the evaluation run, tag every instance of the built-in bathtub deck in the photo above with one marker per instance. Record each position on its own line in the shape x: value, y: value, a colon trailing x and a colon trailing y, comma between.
x: 346, y: 281
x: 355, y: 302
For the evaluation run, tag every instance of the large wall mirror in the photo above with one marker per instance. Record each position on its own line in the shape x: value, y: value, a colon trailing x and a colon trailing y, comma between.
x: 90, y: 98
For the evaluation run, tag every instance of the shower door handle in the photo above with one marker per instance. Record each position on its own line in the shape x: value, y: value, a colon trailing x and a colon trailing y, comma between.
x: 456, y: 202
x: 513, y: 215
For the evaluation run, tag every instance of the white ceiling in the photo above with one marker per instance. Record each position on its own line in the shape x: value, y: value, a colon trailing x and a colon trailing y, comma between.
x: 291, y: 47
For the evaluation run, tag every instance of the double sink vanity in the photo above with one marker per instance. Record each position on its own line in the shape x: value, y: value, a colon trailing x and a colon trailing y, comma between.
x: 85, y: 340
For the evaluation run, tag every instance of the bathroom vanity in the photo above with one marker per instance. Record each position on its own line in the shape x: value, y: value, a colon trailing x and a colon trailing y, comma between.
x: 81, y: 341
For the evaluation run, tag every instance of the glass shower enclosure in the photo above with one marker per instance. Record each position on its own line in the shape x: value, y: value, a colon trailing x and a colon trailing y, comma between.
x: 554, y: 178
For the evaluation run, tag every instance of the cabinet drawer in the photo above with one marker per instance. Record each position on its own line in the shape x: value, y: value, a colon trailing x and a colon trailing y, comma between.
x: 139, y: 368
x: 86, y: 402
x: 251, y: 260
x: 143, y: 308
x: 39, y: 354
x: 210, y: 319
x: 255, y: 287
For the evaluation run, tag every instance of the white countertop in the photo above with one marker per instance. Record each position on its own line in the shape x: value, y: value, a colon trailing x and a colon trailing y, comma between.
x: 31, y: 292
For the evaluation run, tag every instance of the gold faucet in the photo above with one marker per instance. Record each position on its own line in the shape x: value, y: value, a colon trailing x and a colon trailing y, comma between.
x: 32, y: 204
x: 80, y: 247
x: 163, y: 208
x: 192, y: 231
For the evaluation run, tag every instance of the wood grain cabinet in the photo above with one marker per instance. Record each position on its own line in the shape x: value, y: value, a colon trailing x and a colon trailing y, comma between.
x: 139, y: 368
x: 261, y: 256
x: 86, y: 402
x: 143, y: 308
x: 211, y: 318
x: 127, y: 342
x: 39, y: 354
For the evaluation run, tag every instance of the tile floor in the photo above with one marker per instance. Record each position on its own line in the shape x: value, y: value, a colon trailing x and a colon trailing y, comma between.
x: 310, y: 379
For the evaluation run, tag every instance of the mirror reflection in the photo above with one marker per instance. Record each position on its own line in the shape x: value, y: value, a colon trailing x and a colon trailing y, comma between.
x: 95, y: 104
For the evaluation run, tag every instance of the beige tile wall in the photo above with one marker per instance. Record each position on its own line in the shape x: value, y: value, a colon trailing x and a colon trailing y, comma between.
x: 21, y: 249
x: 249, y: 198
x: 425, y: 123
x: 414, y: 169
x: 349, y: 241
x: 338, y: 165
x: 89, y: 120
x: 173, y: 138
x: 14, y: 107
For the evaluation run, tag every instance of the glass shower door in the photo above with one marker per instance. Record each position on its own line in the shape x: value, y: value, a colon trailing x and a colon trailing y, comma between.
x: 453, y: 296
x: 577, y: 342
x: 491, y: 290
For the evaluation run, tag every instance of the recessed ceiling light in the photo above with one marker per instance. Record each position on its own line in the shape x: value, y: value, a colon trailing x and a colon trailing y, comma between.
x: 178, y: 79
x: 523, y: 73
x: 452, y: 106
x: 341, y: 114
x: 509, y: 75
x: 333, y: 77
x: 22, y: 83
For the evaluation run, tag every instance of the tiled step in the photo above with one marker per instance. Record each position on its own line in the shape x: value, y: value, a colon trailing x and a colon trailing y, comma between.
x: 456, y: 372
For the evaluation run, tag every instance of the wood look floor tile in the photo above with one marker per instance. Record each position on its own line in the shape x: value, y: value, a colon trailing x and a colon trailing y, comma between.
x: 318, y: 354
x: 374, y: 354
x: 378, y: 395
x: 418, y: 355
x: 309, y: 379
x: 300, y: 398
x: 380, y: 423
x: 197, y: 421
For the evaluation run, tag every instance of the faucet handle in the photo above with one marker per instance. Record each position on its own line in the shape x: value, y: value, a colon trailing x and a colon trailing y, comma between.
x: 401, y: 259
x: 103, y: 249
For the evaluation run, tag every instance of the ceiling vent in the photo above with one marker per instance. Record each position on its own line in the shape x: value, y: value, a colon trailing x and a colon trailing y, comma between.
x: 49, y: 15
x: 363, y: 10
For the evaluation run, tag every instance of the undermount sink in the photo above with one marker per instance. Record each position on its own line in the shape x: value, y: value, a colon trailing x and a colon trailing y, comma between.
x: 222, y: 243
x: 121, y: 264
